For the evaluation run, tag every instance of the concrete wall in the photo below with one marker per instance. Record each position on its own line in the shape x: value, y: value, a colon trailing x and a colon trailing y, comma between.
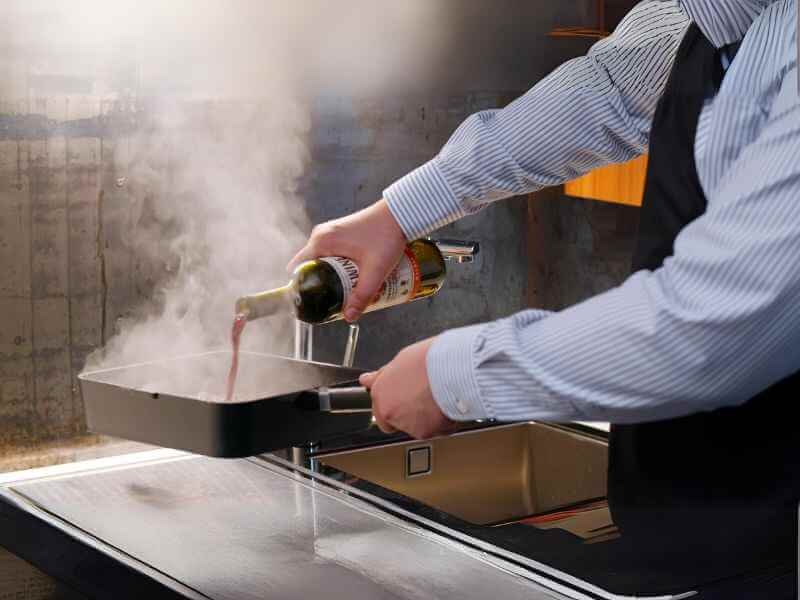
x: 583, y: 248
x: 62, y: 273
x: 70, y: 202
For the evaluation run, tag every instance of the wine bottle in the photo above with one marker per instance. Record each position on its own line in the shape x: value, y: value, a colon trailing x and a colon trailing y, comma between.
x: 319, y: 289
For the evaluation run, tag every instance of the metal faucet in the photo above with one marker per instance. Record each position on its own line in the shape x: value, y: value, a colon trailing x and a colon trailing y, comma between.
x: 457, y: 250
x: 452, y: 250
x: 303, y: 340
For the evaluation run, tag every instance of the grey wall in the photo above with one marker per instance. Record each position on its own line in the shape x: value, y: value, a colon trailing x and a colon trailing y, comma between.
x: 362, y: 146
x: 70, y: 203
x: 583, y: 248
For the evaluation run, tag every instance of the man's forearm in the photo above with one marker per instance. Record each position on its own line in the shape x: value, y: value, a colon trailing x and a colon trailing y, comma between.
x: 592, y: 111
x: 717, y: 324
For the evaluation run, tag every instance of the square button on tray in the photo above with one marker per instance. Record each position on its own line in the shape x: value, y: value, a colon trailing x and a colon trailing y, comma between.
x: 418, y: 461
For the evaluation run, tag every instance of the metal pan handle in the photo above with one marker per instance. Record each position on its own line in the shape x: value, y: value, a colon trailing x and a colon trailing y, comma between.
x: 349, y: 400
x: 345, y: 400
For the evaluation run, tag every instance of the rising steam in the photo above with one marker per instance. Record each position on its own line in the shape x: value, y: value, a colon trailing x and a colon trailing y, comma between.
x: 220, y: 91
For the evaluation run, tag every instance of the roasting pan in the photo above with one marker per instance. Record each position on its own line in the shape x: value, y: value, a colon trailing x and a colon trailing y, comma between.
x: 180, y: 403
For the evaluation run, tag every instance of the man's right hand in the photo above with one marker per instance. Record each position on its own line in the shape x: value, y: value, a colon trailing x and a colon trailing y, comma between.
x: 371, y: 238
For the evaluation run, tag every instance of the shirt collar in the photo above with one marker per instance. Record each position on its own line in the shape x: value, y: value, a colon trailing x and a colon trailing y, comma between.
x: 724, y: 21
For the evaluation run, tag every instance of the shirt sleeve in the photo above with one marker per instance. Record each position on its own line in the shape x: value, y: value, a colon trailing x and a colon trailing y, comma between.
x: 716, y: 325
x: 592, y: 111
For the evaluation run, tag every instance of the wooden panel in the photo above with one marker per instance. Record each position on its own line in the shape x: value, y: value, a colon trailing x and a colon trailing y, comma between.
x: 621, y: 184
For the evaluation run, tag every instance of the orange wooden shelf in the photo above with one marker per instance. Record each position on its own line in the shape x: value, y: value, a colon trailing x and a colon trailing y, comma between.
x: 579, y: 32
x: 621, y: 184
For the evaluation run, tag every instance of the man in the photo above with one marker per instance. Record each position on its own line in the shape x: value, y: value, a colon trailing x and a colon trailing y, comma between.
x: 693, y: 358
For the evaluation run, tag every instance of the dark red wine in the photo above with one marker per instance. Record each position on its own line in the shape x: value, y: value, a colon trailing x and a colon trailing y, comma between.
x: 236, y: 340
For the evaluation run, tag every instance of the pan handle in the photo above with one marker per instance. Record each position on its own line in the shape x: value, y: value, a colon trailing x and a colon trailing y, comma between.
x: 349, y: 400
x: 345, y: 400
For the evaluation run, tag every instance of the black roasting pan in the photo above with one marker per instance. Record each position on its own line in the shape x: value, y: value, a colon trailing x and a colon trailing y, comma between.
x: 180, y: 403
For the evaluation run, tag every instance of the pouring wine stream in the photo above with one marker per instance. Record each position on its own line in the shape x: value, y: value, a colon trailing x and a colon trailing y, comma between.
x: 239, y: 324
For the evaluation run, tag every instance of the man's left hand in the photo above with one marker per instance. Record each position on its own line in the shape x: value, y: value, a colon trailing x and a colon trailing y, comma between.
x: 401, y: 395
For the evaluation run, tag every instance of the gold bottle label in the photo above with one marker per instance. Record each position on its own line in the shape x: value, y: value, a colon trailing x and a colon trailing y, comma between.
x: 401, y: 286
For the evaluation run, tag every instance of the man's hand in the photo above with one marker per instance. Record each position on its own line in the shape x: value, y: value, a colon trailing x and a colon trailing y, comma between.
x: 402, y: 398
x: 371, y: 238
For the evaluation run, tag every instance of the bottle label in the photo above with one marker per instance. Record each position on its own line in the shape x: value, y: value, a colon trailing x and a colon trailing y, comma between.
x: 401, y: 286
x: 347, y: 271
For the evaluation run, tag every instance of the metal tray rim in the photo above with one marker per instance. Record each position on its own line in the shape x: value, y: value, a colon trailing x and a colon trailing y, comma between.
x: 90, y: 377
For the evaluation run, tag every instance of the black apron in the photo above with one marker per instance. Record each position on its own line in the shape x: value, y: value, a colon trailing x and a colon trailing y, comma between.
x: 715, y: 491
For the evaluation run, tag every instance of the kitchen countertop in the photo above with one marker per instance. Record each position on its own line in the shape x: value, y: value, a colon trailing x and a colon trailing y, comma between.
x: 175, y: 526
x: 163, y: 524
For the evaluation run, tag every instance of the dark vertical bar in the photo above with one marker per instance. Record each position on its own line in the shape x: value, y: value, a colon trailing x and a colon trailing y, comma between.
x: 601, y: 15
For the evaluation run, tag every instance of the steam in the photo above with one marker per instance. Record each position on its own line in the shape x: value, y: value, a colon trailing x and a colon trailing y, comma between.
x: 220, y: 92
x: 215, y: 163
x: 221, y: 216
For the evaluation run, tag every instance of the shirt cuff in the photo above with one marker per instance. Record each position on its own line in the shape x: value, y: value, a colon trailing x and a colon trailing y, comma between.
x: 423, y: 202
x: 451, y: 372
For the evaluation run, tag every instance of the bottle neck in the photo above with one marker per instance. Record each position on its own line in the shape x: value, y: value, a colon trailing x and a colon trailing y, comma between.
x: 265, y: 304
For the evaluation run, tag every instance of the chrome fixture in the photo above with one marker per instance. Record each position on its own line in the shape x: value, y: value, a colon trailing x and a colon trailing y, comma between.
x: 457, y: 250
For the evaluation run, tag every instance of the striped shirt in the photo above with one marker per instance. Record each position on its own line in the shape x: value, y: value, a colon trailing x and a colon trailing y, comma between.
x: 720, y: 321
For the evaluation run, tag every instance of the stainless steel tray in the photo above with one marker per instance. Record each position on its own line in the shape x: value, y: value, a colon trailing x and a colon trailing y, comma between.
x: 180, y: 403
